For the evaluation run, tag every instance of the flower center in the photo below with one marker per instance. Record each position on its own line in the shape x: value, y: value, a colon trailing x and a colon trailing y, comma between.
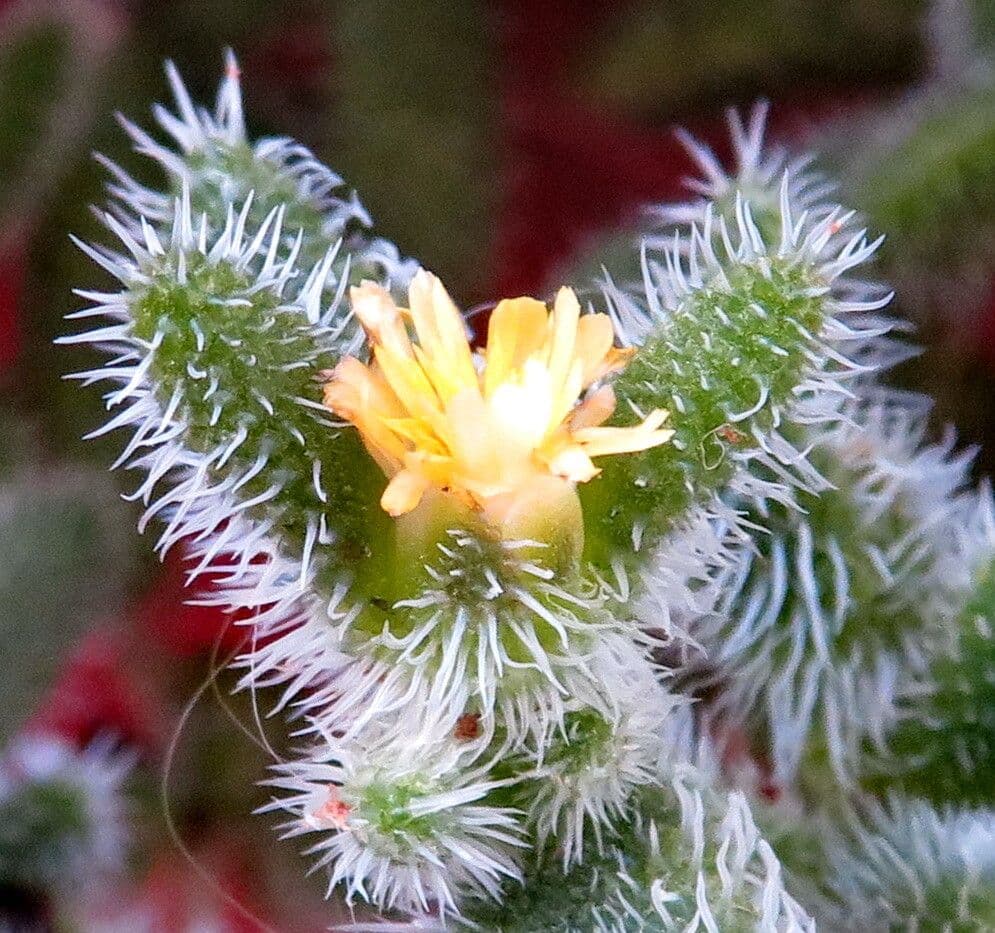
x: 491, y: 428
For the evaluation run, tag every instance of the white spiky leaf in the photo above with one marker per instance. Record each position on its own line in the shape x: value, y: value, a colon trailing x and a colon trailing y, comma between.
x: 399, y: 818
x: 826, y: 617
x: 212, y: 155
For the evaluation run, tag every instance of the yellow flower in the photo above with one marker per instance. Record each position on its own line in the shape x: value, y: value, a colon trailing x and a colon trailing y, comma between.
x: 486, y: 427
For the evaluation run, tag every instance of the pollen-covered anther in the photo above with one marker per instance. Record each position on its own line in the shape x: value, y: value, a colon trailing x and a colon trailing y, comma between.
x: 487, y: 427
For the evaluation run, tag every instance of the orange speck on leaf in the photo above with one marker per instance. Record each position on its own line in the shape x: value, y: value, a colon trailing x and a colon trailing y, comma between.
x: 467, y: 727
x: 728, y: 433
x: 334, y: 811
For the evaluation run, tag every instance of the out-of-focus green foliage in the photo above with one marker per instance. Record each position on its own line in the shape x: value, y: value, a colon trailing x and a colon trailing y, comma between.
x: 32, y: 66
x: 932, y: 192
x: 414, y: 123
x: 65, y: 560
x: 944, y: 750
x: 52, y: 58
x: 666, y: 57
x: 983, y: 17
x: 36, y: 824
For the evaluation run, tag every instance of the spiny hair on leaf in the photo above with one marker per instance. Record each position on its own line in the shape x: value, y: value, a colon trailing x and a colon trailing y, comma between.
x: 221, y: 166
x: 975, y: 545
x: 485, y: 627
x: 942, y: 748
x: 215, y: 361
x: 712, y: 248
x: 581, y: 780
x: 825, y: 660
x: 765, y: 176
x: 64, y: 811
x: 905, y: 864
x: 688, y: 858
x: 401, y: 818
x: 743, y: 343
x: 681, y: 580
x: 732, y: 876
x: 758, y: 170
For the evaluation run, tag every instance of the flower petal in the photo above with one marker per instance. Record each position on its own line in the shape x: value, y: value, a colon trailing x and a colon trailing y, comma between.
x: 563, y: 335
x: 573, y: 464
x: 361, y: 396
x: 599, y: 442
x: 406, y: 377
x: 595, y: 337
x: 597, y: 408
x: 381, y: 318
x: 432, y: 418
x: 516, y: 331
x: 441, y: 336
x: 403, y: 493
